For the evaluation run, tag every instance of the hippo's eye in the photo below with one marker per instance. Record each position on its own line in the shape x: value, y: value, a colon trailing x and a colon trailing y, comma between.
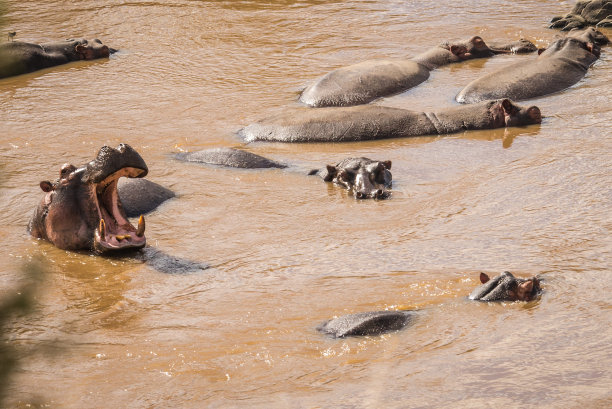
x: 66, y: 170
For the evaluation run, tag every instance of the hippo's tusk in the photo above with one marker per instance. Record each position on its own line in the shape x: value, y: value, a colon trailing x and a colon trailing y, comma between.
x: 141, y: 226
x: 102, y: 229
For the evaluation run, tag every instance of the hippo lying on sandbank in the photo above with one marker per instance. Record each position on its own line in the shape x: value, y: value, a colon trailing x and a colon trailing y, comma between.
x: 585, y: 13
x: 18, y: 58
x: 366, y: 81
x: 368, y: 122
x: 82, y: 209
x: 504, y: 287
x: 561, y: 65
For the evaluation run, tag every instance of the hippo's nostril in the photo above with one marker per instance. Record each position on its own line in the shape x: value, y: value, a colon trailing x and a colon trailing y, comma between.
x: 379, y: 193
x: 359, y: 195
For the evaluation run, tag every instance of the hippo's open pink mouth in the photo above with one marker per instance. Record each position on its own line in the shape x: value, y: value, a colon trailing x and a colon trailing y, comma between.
x: 114, y: 231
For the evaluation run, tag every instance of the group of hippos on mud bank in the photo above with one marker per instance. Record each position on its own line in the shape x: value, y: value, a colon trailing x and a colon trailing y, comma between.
x: 87, y: 207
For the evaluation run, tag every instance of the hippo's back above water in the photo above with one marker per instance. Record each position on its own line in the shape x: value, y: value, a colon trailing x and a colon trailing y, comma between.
x: 235, y: 158
x: 363, y: 82
x: 366, y: 323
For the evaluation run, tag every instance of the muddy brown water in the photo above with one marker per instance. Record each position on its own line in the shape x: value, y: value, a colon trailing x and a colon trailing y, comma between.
x: 287, y: 251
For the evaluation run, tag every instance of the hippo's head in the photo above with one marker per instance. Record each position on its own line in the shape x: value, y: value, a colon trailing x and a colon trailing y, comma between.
x: 589, y: 35
x: 365, y: 177
x: 475, y: 47
x: 90, y: 50
x: 82, y: 209
x: 505, y: 113
x: 506, y: 287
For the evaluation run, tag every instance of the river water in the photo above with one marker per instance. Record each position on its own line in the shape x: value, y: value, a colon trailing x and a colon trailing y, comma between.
x: 285, y: 250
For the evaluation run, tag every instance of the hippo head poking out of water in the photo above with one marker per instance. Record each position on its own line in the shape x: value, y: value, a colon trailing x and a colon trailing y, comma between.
x: 91, y: 49
x: 366, y: 178
x: 506, y: 287
x: 82, y: 209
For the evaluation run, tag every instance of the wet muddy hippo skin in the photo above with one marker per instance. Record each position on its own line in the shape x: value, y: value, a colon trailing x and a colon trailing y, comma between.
x: 17, y: 57
x: 506, y: 287
x: 369, y: 122
x: 366, y: 81
x: 365, y: 178
x: 229, y: 157
x: 82, y: 209
x: 585, y: 13
x: 366, y: 323
x: 561, y: 65
x: 141, y: 196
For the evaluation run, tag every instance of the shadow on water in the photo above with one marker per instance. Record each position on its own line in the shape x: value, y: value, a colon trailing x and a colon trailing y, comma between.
x: 163, y: 262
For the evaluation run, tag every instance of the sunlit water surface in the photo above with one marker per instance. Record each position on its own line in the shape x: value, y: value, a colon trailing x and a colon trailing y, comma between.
x: 286, y: 251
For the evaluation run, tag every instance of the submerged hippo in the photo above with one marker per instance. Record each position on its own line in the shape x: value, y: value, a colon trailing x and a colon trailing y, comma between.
x: 230, y: 157
x: 141, y: 196
x: 366, y: 323
x: 563, y: 64
x: 366, y: 81
x: 504, y: 287
x: 365, y: 177
x: 82, y: 209
x: 19, y: 58
x: 369, y: 122
x: 585, y: 13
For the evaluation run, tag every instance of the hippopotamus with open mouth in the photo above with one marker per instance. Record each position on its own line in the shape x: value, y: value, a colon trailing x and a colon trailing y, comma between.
x: 82, y: 209
x: 369, y: 122
x: 504, y: 287
x: 365, y: 177
x: 19, y: 57
x: 366, y: 81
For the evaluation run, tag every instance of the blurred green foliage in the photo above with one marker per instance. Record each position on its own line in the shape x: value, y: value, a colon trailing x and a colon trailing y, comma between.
x: 14, y: 305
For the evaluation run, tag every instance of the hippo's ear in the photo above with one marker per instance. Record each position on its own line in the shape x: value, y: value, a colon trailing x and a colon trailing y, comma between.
x: 527, y: 286
x: 331, y: 173
x: 508, y: 106
x: 387, y: 164
x: 478, y: 42
x: 484, y: 278
x: 46, y: 186
x: 534, y: 114
x: 458, y: 50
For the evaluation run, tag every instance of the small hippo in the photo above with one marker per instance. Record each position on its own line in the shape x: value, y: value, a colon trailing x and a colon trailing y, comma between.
x: 366, y: 178
x: 591, y: 12
x: 368, y: 122
x: 366, y: 323
x: 561, y: 65
x: 506, y: 287
x: 82, y: 209
x: 366, y: 81
x: 18, y: 57
x: 230, y: 157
